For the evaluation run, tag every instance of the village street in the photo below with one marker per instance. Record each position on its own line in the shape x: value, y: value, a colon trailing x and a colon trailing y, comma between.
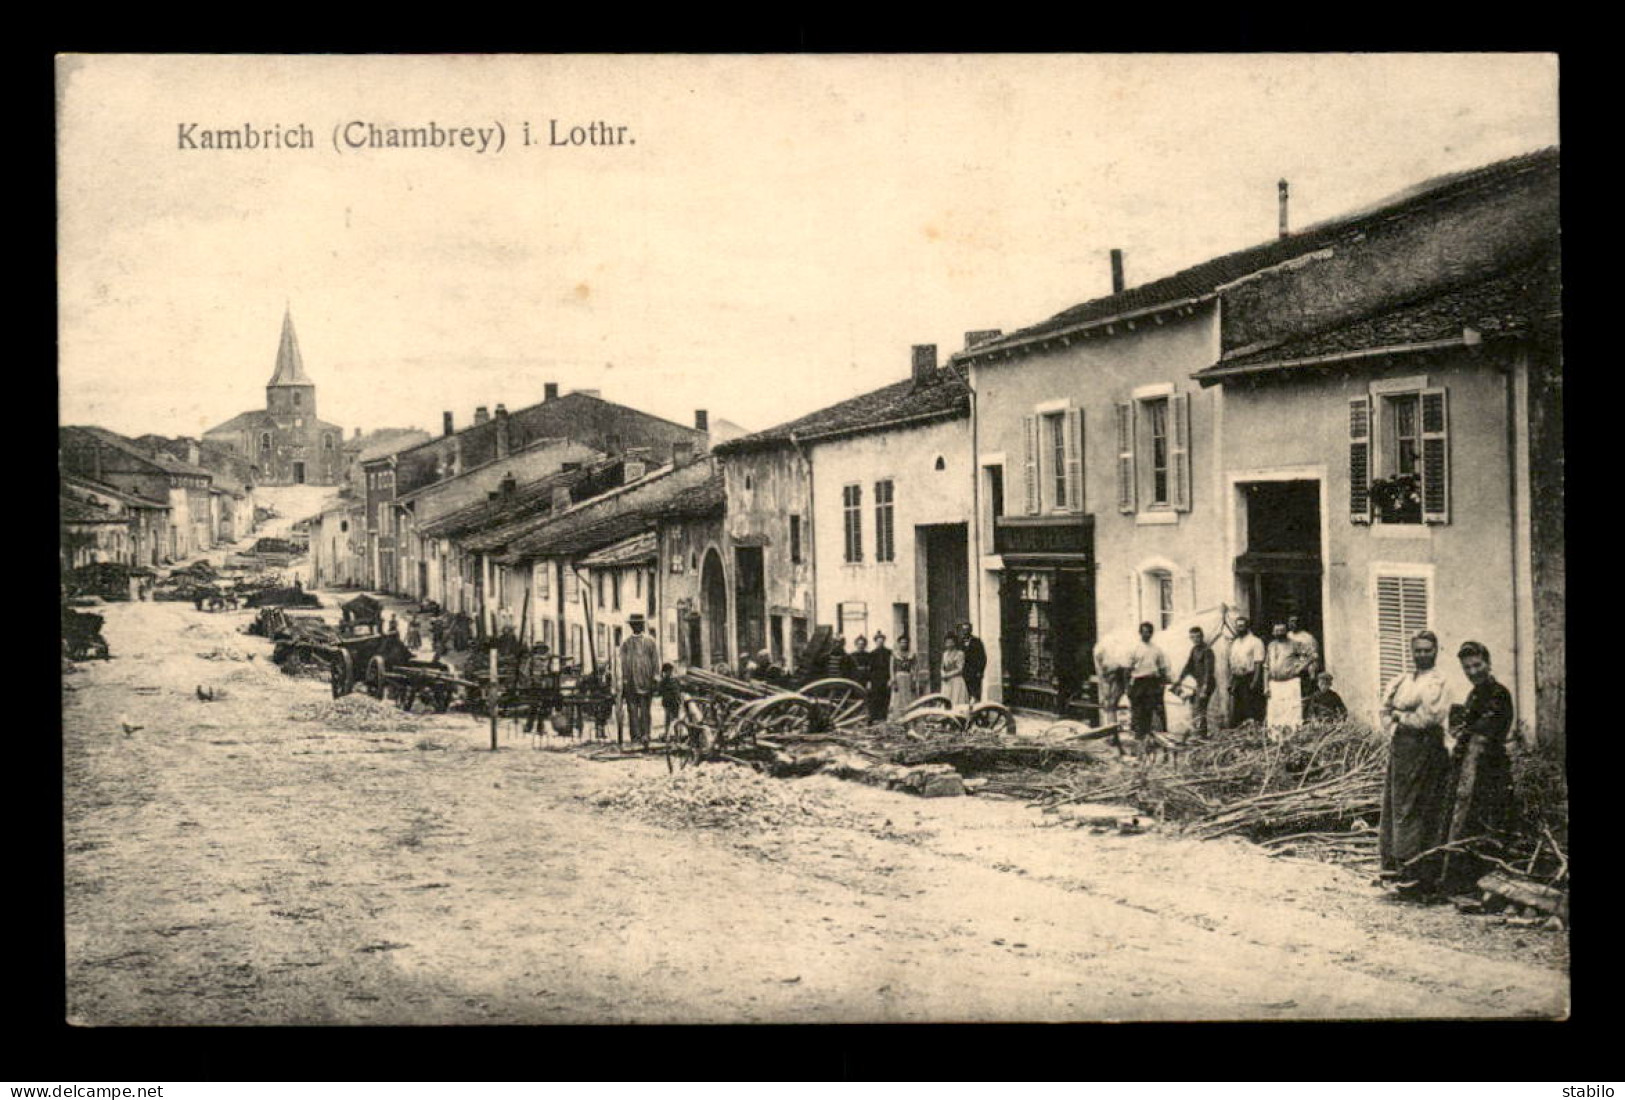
x: 241, y: 861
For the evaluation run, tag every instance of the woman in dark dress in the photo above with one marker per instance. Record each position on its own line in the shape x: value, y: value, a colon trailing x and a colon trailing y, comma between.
x: 1481, y: 770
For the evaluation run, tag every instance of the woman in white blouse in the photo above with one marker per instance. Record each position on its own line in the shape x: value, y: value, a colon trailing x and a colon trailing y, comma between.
x: 1416, y: 793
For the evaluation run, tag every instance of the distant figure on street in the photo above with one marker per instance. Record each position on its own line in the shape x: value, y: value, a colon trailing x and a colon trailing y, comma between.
x: 671, y: 696
x: 880, y: 677
x: 1325, y: 705
x: 1196, y: 682
x: 975, y: 661
x: 394, y: 625
x: 640, y: 675
x: 414, y: 636
x: 902, y: 679
x: 1246, y: 675
x: 1283, y: 662
x: 1147, y: 678
x: 953, y: 672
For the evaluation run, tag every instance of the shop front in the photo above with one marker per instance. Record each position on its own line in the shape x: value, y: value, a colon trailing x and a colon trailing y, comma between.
x: 1047, y: 612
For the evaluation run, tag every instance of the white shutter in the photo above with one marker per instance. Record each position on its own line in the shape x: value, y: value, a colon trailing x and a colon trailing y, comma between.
x: 1029, y: 432
x: 1435, y: 457
x: 1402, y: 610
x: 1125, y: 456
x: 1360, y: 460
x: 1179, y: 450
x: 1136, y: 597
x: 1074, y: 460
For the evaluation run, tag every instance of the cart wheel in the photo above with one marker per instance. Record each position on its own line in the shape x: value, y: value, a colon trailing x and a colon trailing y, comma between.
x: 935, y: 701
x: 991, y: 718
x: 777, y: 714
x: 932, y: 722
x: 340, y: 673
x: 841, y: 701
x: 376, y: 684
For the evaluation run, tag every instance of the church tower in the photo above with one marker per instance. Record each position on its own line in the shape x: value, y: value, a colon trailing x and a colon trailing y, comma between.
x: 290, y: 395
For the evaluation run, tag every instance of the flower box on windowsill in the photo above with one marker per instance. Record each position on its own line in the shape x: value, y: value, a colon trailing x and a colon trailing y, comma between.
x: 1397, y: 499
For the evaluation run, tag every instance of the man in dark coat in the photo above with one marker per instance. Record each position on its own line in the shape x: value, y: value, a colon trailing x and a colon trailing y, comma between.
x: 1197, y: 678
x: 975, y: 662
x: 879, y: 682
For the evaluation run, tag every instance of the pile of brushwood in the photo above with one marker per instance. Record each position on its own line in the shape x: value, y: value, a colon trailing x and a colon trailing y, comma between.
x: 717, y: 798
x: 1313, y: 791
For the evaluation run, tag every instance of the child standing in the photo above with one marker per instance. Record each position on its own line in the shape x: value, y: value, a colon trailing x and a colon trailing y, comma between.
x: 671, y: 697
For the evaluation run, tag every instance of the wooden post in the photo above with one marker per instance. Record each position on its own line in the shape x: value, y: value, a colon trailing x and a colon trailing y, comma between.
x: 495, y: 692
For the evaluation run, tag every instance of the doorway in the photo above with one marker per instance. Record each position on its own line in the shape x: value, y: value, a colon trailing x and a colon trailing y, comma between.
x: 1278, y: 572
x: 947, y: 589
x: 298, y: 473
x: 750, y: 589
x: 714, y: 608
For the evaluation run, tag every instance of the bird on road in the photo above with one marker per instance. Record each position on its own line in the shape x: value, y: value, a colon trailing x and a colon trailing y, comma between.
x: 205, y: 696
x: 128, y: 728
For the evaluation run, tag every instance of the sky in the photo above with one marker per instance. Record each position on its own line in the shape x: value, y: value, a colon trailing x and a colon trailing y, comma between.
x: 771, y: 236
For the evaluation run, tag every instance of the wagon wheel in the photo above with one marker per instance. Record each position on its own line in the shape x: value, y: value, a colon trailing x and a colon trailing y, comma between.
x: 935, y: 701
x: 840, y: 701
x: 991, y: 718
x: 932, y: 722
x: 376, y: 684
x: 688, y: 744
x: 341, y: 673
x: 776, y: 715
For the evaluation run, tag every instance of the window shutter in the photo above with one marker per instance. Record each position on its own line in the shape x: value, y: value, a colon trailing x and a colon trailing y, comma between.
x: 1402, y: 610
x: 1074, y: 460
x: 1360, y: 460
x: 1029, y: 426
x: 1125, y: 457
x: 1179, y: 449
x: 1136, y: 596
x: 1435, y: 457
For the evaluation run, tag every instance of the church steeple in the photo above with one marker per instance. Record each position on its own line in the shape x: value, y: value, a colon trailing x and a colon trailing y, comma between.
x: 290, y: 366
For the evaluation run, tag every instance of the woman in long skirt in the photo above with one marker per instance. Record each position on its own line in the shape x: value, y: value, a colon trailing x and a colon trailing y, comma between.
x: 902, y: 676
x: 953, y: 673
x: 1416, y: 792
x: 1481, y: 771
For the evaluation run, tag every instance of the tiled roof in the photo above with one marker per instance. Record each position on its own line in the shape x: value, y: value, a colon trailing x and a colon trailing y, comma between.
x: 82, y: 511
x: 901, y: 404
x: 129, y: 499
x: 386, y: 441
x: 1204, y: 278
x: 690, y: 491
x: 178, y: 466
x: 1503, y: 306
x: 523, y: 503
x: 637, y: 550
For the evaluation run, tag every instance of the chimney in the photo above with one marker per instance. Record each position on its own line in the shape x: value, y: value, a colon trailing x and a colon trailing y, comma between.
x: 682, y: 453
x: 925, y: 363
x: 502, y: 431
x: 191, y: 451
x: 509, y: 484
x: 702, y: 420
x: 1281, y: 188
x: 561, y: 497
x: 588, y: 393
x: 550, y: 391
x: 481, y: 415
x: 456, y: 456
x: 982, y: 336
x: 1117, y: 271
x: 445, y: 424
x: 358, y: 431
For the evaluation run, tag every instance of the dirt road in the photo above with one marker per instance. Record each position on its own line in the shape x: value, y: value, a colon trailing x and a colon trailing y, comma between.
x: 234, y: 862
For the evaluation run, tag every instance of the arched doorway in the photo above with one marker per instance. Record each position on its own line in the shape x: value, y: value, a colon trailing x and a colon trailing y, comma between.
x: 714, y: 607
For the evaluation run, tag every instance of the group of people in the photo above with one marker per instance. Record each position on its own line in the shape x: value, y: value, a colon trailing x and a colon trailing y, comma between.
x: 893, y: 680
x: 1279, y: 686
x: 1449, y: 777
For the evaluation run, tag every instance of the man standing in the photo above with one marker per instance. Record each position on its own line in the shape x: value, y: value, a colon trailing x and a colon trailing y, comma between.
x: 1149, y: 676
x: 879, y: 684
x: 1283, y: 664
x: 640, y: 675
x: 1246, y: 675
x: 975, y: 662
x: 1196, y: 679
x: 1308, y: 652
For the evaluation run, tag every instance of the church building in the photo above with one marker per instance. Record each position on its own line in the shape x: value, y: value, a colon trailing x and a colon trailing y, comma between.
x: 285, y: 441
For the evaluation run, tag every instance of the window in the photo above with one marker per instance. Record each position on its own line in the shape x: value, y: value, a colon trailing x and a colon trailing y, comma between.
x: 1162, y: 591
x: 885, y: 541
x: 795, y: 540
x: 298, y: 399
x: 1036, y: 646
x: 603, y: 589
x: 540, y: 573
x: 1399, y: 455
x: 1054, y: 461
x: 637, y: 584
x: 327, y: 443
x: 852, y: 515
x: 1403, y: 608
x: 1153, y: 452
x: 1055, y: 437
x: 993, y: 495
x: 578, y: 643
x: 615, y: 589
x: 265, y: 441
